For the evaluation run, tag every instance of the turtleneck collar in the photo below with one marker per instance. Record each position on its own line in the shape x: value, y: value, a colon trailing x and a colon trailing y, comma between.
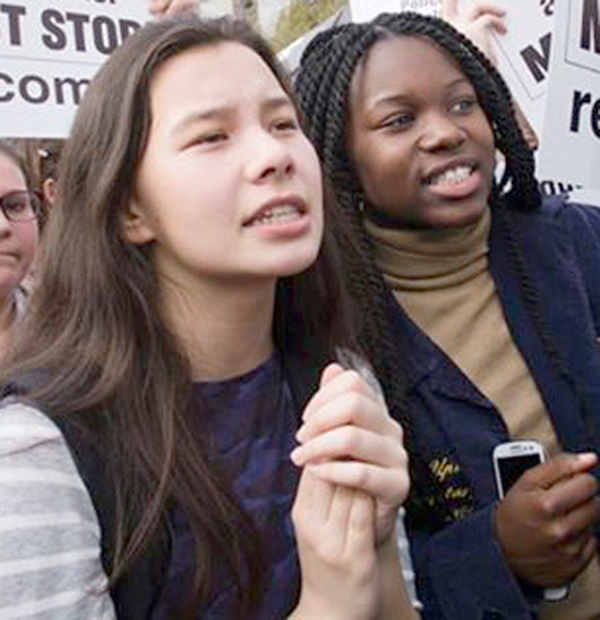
x: 425, y: 259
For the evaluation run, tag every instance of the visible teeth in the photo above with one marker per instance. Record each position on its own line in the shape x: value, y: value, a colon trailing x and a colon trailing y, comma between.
x: 283, y: 213
x: 454, y: 175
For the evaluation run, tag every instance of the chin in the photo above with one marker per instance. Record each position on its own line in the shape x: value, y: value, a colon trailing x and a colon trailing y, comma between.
x: 464, y: 215
x: 294, y: 265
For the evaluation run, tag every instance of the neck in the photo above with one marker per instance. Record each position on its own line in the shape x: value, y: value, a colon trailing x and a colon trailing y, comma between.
x: 225, y: 328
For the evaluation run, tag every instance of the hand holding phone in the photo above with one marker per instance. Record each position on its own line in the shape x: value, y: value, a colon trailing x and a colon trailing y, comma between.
x: 556, y: 496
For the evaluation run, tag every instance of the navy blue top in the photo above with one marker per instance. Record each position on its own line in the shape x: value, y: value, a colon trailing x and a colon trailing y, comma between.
x: 250, y: 422
x: 461, y: 569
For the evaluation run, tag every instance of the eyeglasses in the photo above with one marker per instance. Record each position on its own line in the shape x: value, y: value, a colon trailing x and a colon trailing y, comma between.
x: 21, y: 206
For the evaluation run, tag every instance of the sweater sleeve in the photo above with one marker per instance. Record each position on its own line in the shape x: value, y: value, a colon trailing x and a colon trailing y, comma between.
x: 406, y: 561
x: 50, y: 563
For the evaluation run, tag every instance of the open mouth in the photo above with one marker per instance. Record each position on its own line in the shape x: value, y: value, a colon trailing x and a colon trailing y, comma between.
x: 279, y: 214
x: 451, y: 176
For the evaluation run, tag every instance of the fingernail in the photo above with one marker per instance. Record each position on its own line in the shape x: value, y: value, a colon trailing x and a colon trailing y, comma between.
x: 295, y: 456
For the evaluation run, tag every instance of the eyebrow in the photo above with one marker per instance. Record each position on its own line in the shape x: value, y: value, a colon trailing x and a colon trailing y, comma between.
x: 223, y: 111
x: 407, y: 98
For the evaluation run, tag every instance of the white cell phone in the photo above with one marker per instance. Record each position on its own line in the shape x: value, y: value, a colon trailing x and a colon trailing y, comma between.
x: 511, y: 460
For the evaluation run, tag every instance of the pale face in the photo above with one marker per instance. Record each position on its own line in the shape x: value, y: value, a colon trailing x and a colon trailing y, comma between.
x: 421, y: 144
x: 229, y: 188
x: 18, y: 240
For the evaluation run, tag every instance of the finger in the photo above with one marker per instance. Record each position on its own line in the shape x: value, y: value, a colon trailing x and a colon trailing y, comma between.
x: 157, y: 7
x: 360, y: 539
x: 350, y: 408
x: 590, y: 551
x: 389, y: 485
x: 574, y: 524
x: 181, y: 6
x: 490, y: 22
x: 569, y: 493
x: 450, y: 10
x: 558, y: 468
x: 350, y: 442
x: 314, y: 496
x: 481, y: 9
x: 331, y: 372
x: 338, y: 515
x: 331, y: 387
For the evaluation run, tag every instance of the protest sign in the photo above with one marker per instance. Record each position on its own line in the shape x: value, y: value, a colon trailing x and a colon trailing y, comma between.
x: 364, y: 10
x: 523, y: 54
x: 49, y: 51
x: 571, y: 135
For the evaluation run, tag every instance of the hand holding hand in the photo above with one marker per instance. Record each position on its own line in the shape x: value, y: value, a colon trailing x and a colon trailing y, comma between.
x: 348, y: 438
x: 335, y: 535
x: 545, y: 522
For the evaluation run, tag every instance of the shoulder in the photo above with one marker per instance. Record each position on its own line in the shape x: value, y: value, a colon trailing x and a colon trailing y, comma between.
x: 50, y: 537
x: 568, y: 212
x: 559, y: 219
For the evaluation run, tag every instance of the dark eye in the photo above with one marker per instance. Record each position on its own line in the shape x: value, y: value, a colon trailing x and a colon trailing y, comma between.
x: 464, y: 104
x: 399, y: 121
x: 210, y: 137
x: 17, y: 203
x: 286, y: 124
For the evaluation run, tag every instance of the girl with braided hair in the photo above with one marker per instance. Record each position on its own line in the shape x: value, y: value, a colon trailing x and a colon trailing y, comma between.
x: 480, y: 308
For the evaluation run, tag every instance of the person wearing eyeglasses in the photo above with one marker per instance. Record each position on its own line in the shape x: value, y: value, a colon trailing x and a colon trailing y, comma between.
x: 19, y: 211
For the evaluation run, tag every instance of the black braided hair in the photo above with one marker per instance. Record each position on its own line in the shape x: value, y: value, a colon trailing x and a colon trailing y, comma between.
x: 322, y: 86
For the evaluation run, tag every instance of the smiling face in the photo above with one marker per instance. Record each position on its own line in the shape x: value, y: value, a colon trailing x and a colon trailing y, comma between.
x: 421, y: 144
x: 18, y: 240
x: 228, y: 186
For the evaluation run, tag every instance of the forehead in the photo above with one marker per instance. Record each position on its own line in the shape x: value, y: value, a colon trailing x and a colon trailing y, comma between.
x: 212, y: 75
x: 403, y: 65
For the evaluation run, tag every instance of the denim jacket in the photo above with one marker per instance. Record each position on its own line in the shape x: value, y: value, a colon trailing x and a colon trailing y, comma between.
x: 461, y: 571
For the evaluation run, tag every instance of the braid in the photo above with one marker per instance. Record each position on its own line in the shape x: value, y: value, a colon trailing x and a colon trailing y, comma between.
x: 323, y: 88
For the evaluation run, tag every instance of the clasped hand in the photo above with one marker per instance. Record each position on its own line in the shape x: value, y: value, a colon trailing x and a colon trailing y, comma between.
x: 354, y: 479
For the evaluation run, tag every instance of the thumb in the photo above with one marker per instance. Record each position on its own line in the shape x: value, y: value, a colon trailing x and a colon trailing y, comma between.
x: 330, y: 372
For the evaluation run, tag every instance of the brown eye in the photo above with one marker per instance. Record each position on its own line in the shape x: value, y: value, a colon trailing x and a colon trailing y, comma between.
x: 464, y: 104
x: 20, y: 206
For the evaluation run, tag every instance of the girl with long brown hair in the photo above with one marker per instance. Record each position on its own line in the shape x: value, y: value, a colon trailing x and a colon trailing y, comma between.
x: 177, y: 350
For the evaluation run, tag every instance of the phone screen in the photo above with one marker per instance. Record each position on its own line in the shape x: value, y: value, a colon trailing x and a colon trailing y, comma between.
x: 513, y: 467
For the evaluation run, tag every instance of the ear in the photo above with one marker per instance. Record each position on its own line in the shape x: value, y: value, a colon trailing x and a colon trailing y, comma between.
x: 49, y: 190
x: 135, y: 225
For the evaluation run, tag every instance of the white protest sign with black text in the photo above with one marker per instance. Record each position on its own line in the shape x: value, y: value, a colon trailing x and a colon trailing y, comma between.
x: 571, y: 136
x: 364, y: 10
x: 523, y: 54
x: 49, y: 51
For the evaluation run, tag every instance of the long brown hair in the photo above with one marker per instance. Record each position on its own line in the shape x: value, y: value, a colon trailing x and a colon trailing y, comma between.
x: 95, y: 330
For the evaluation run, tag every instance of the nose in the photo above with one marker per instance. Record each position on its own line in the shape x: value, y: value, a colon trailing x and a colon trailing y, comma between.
x: 441, y: 132
x: 270, y: 157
